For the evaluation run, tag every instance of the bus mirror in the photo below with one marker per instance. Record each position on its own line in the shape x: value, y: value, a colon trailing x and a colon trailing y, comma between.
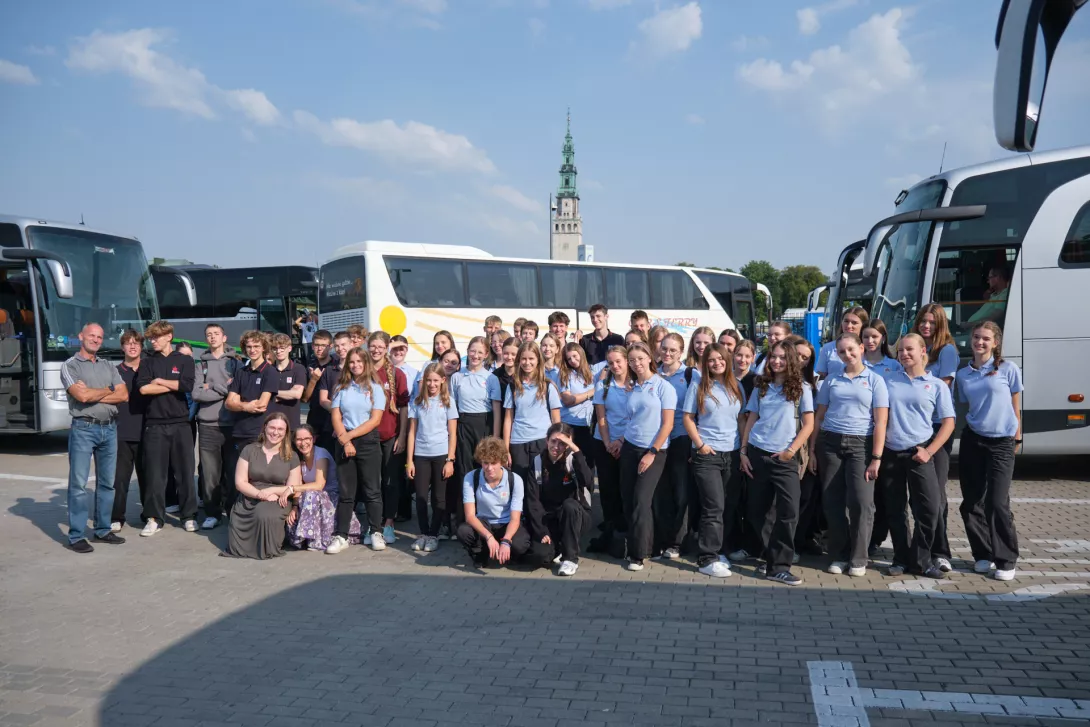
x: 57, y: 267
x: 881, y: 231
x: 183, y: 278
x: 1025, y: 40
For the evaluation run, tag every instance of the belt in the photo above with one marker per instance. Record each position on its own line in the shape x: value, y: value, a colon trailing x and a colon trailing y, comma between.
x: 91, y: 420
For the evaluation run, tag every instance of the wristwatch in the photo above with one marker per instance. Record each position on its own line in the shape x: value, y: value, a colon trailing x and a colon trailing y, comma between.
x: 653, y: 450
x: 450, y: 459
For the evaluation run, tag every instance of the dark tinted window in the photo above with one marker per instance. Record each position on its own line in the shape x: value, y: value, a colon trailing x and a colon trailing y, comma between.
x: 10, y: 236
x: 720, y: 286
x: 502, y: 285
x: 564, y: 286
x: 627, y: 288
x: 173, y: 301
x: 675, y: 290
x: 237, y: 289
x: 420, y: 282
x: 343, y: 285
x: 1076, y: 249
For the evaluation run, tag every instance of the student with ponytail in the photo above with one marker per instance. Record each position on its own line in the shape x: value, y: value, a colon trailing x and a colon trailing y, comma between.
x: 828, y: 362
x: 672, y: 497
x: 532, y: 404
x: 576, y: 383
x: 393, y: 429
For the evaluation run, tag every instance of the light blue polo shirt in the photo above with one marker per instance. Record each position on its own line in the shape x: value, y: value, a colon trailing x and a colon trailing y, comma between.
x: 616, y: 406
x: 913, y: 403
x: 410, y: 372
x: 851, y: 401
x: 775, y: 428
x: 828, y: 360
x: 470, y: 389
x: 493, y: 387
x: 946, y: 365
x: 553, y: 375
x: 718, y: 424
x: 356, y: 404
x: 646, y: 403
x: 431, y: 426
x: 580, y: 415
x: 532, y: 415
x: 597, y: 369
x: 991, y: 411
x: 884, y: 367
x: 494, y: 504
x: 677, y: 380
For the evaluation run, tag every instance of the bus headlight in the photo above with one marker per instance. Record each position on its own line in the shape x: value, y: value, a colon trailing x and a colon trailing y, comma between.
x: 60, y: 395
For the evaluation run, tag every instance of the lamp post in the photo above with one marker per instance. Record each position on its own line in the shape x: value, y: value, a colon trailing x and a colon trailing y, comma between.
x: 552, y: 213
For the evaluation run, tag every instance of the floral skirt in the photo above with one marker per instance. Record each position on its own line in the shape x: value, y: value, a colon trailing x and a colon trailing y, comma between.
x: 316, y: 521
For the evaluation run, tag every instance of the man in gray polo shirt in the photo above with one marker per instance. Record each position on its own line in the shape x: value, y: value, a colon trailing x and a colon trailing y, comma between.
x: 94, y: 390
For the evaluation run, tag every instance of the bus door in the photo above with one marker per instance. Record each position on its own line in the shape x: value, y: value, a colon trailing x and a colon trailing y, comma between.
x: 298, y: 308
x: 18, y: 349
x: 741, y: 312
x: 272, y: 316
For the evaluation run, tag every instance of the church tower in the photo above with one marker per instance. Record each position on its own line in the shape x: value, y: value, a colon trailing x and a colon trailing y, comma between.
x: 566, y: 235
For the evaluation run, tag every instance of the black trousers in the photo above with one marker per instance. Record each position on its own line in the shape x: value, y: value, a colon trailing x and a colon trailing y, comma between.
x: 847, y: 495
x: 405, y: 489
x: 429, y: 476
x: 478, y: 551
x: 130, y: 457
x: 167, y: 448
x: 811, y: 518
x: 987, y: 468
x: 941, y: 549
x: 523, y: 454
x: 745, y: 533
x: 386, y: 477
x: 217, y: 482
x: 583, y: 436
x: 774, y: 488
x: 671, y: 504
x: 638, y: 494
x: 881, y: 522
x: 566, y: 524
x: 907, y: 482
x: 609, y: 488
x: 719, y: 486
x: 360, y: 480
x: 472, y: 428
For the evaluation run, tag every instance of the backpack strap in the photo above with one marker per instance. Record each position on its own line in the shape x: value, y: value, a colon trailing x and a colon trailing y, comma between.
x: 688, y: 375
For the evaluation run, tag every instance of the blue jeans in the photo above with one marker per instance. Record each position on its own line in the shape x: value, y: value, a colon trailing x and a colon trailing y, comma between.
x: 86, y: 440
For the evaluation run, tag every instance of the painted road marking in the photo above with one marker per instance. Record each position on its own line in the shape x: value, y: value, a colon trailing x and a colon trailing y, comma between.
x: 839, y: 701
x: 929, y: 588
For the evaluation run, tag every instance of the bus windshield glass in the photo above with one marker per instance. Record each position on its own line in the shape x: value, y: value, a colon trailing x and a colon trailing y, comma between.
x: 342, y: 285
x: 111, y: 287
x: 901, y: 262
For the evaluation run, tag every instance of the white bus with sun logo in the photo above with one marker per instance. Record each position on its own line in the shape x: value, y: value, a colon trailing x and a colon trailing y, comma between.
x: 416, y: 290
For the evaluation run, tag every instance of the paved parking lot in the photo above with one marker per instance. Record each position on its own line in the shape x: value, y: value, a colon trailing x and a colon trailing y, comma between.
x: 160, y: 631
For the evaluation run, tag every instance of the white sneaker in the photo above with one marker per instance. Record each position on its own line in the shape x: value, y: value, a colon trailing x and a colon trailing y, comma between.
x: 559, y: 559
x: 837, y: 567
x: 634, y: 565
x: 857, y: 571
x: 567, y: 568
x: 1005, y: 575
x: 209, y: 523
x: 431, y: 544
x: 115, y: 527
x: 173, y: 509
x: 671, y: 554
x: 716, y: 569
x: 739, y: 555
x: 367, y: 539
x: 190, y: 526
x: 983, y: 566
x: 336, y: 545
x: 944, y: 564
x: 419, y: 543
x: 150, y: 529
x: 724, y: 559
x: 378, y: 542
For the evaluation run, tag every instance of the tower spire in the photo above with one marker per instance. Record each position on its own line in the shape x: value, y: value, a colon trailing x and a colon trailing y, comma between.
x: 566, y: 232
x: 568, y: 172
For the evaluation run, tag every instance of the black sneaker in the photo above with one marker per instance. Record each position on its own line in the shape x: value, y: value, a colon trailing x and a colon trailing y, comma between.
x: 934, y: 572
x: 81, y: 546
x: 110, y: 539
x: 786, y: 577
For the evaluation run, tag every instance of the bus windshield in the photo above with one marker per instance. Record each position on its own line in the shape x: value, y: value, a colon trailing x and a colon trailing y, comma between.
x: 111, y: 283
x: 901, y: 263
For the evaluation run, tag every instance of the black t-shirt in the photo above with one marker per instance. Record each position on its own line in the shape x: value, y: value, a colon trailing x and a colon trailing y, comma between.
x: 747, y: 383
x: 171, y: 407
x: 319, y: 417
x: 250, y: 385
x: 596, y: 350
x: 130, y: 414
x: 294, y: 375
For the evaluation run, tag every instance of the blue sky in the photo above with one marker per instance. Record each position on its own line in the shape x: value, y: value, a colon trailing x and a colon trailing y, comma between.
x: 714, y: 132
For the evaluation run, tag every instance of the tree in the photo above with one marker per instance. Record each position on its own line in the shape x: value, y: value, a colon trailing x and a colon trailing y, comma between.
x: 762, y: 271
x: 796, y: 282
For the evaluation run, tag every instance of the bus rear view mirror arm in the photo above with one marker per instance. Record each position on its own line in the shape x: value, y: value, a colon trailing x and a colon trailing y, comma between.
x: 881, y: 231
x: 57, y: 266
x: 183, y: 278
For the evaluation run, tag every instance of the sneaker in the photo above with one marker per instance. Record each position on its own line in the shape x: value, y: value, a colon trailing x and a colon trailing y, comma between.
x: 81, y: 546
x: 896, y: 570
x: 173, y: 509
x: 388, y: 534
x: 724, y: 559
x: 944, y: 565
x: 1005, y: 575
x: 453, y: 532
x: 761, y: 569
x: 634, y: 565
x: 716, y: 569
x: 786, y: 577
x: 934, y: 572
x: 209, y: 523
x: 115, y: 527
x: 419, y: 543
x: 377, y: 541
x: 150, y: 529
x: 739, y: 555
x: 558, y: 559
x: 837, y: 567
x: 872, y: 551
x: 857, y: 571
x: 367, y: 539
x: 671, y: 554
x: 336, y: 545
x: 110, y: 539
x: 190, y: 526
x: 444, y: 533
x: 567, y: 568
x: 983, y: 566
x: 431, y: 544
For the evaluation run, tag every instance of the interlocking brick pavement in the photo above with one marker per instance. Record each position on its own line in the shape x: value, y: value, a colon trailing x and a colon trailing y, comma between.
x: 162, y: 632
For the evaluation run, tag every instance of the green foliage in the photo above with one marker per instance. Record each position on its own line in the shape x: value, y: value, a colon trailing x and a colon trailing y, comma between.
x: 796, y: 282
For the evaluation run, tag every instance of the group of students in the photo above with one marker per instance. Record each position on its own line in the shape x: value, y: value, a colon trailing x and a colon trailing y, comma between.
x: 699, y: 445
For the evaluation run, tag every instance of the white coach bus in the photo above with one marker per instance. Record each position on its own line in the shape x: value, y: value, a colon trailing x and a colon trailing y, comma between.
x: 417, y: 289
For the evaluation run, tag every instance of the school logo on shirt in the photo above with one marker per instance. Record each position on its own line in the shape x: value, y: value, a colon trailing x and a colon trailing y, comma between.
x: 927, y: 387
x: 865, y: 383
x: 288, y: 379
x: 258, y: 380
x: 174, y: 370
x: 504, y: 494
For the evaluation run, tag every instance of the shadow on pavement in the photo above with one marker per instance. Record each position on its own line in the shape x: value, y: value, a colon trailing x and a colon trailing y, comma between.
x: 51, y: 516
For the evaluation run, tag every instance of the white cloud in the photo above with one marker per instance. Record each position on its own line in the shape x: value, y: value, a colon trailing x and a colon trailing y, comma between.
x: 516, y: 199
x: 671, y: 30
x: 254, y: 104
x: 411, y: 143
x: 14, y: 73
x: 810, y: 18
x: 694, y: 119
x: 744, y: 43
x: 607, y: 4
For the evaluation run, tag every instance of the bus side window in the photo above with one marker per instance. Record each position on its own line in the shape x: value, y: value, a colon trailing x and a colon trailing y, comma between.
x: 972, y: 285
x: 1076, y: 249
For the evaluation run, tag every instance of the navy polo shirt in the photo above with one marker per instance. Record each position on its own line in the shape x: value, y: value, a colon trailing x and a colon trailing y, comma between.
x: 130, y: 414
x: 250, y: 385
x: 293, y: 375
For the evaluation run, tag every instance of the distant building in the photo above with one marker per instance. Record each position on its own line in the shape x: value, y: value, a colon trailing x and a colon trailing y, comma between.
x: 566, y: 235
x: 586, y: 253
